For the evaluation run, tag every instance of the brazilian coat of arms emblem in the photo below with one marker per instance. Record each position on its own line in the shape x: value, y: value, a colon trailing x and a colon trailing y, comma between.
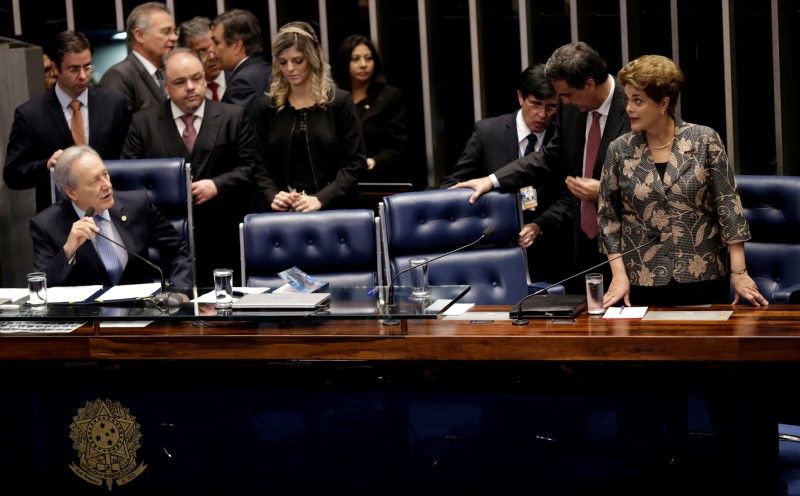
x: 106, y: 437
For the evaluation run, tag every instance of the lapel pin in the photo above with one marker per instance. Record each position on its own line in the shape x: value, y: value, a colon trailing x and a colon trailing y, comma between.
x: 366, y: 107
x: 124, y: 218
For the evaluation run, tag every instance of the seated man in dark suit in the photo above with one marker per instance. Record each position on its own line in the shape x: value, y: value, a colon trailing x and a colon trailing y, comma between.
x: 60, y: 232
x: 46, y: 124
x: 496, y: 141
x: 238, y: 47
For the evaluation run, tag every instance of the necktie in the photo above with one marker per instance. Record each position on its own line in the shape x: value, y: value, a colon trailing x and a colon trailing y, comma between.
x: 106, y: 251
x: 160, y: 78
x: 213, y: 85
x: 588, y: 209
x: 531, y: 144
x: 189, y: 134
x: 78, y: 133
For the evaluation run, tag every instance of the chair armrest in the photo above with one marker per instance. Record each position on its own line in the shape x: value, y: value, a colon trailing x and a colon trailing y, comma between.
x: 790, y: 294
x: 537, y: 286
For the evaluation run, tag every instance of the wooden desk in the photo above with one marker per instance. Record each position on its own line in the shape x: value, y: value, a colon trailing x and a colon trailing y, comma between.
x: 343, y: 397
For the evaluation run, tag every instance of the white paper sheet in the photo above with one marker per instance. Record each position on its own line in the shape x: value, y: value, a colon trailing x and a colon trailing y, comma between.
x: 71, y: 294
x: 130, y: 291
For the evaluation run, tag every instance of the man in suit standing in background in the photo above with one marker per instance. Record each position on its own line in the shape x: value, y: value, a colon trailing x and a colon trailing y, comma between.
x: 238, y: 47
x: 71, y: 113
x: 496, y: 141
x: 591, y: 115
x: 139, y: 78
x: 217, y: 140
x: 196, y: 34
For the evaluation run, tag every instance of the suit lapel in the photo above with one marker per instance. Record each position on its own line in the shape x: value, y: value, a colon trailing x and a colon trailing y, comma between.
x: 168, y: 131
x: 95, y: 116
x: 511, y: 145
x: 57, y: 114
x: 147, y: 78
x: 204, y: 144
x: 119, y: 215
x: 615, y: 124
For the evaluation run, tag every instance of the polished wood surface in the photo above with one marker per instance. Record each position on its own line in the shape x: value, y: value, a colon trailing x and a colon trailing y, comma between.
x: 751, y: 334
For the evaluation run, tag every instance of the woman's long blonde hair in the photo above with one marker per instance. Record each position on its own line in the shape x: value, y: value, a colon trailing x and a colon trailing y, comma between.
x: 301, y: 35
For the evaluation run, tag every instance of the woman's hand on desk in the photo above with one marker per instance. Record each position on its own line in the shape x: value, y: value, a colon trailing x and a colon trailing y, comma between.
x: 744, y: 287
x: 619, y: 288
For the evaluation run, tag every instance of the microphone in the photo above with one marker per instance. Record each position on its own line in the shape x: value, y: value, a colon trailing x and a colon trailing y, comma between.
x: 520, y: 321
x: 164, y: 298
x: 390, y: 293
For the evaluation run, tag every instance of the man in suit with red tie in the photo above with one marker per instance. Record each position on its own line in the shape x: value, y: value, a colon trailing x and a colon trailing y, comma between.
x: 217, y: 139
x: 71, y: 113
x: 590, y: 116
x: 196, y: 34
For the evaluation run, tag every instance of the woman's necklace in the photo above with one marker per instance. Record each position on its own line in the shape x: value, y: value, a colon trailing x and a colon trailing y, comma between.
x: 663, y: 146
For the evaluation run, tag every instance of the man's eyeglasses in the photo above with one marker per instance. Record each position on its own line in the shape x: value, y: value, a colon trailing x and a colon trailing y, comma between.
x: 76, y: 69
x: 550, y: 107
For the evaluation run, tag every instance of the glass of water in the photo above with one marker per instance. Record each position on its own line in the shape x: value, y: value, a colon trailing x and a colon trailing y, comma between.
x: 37, y: 289
x: 223, y: 287
x: 594, y: 293
x: 419, y: 278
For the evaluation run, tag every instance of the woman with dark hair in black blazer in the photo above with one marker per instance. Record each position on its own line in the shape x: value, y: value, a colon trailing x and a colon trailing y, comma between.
x: 381, y: 108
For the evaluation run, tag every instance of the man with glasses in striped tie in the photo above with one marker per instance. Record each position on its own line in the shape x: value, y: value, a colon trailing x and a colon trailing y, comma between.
x: 65, y: 242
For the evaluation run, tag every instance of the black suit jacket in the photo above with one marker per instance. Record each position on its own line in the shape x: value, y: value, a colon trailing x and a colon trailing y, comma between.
x: 563, y: 154
x: 39, y: 129
x: 248, y: 83
x: 223, y: 153
x: 130, y: 79
x: 383, y: 122
x: 492, y: 145
x: 140, y: 225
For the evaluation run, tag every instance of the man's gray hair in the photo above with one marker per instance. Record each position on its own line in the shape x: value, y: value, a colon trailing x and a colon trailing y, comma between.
x: 62, y: 172
x: 139, y: 18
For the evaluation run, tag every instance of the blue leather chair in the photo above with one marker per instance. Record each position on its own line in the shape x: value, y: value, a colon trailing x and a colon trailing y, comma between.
x: 433, y: 222
x: 168, y: 183
x: 772, y: 208
x: 337, y: 246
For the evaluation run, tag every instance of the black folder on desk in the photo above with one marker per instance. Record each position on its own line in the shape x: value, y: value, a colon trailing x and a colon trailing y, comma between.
x: 551, y: 306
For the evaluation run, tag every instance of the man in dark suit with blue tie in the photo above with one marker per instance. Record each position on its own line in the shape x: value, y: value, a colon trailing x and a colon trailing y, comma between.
x: 139, y: 78
x: 238, y: 47
x: 70, y: 113
x: 61, y: 231
x: 217, y: 140
x: 496, y: 141
x: 576, y: 153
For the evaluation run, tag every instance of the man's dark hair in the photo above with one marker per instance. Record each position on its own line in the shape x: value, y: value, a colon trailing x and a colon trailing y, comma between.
x: 532, y: 81
x: 69, y: 42
x: 242, y: 25
x: 575, y: 63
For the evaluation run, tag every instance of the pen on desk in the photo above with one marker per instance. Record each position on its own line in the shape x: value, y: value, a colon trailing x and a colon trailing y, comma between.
x: 621, y: 308
x: 372, y: 291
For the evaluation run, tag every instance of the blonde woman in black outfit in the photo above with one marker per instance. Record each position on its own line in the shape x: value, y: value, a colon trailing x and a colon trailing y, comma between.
x: 309, y: 149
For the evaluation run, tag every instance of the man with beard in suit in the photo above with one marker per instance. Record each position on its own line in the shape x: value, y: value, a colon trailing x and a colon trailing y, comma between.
x: 217, y: 140
x: 71, y: 113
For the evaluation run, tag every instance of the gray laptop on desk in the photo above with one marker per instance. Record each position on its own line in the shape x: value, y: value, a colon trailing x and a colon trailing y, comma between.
x: 282, y: 301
